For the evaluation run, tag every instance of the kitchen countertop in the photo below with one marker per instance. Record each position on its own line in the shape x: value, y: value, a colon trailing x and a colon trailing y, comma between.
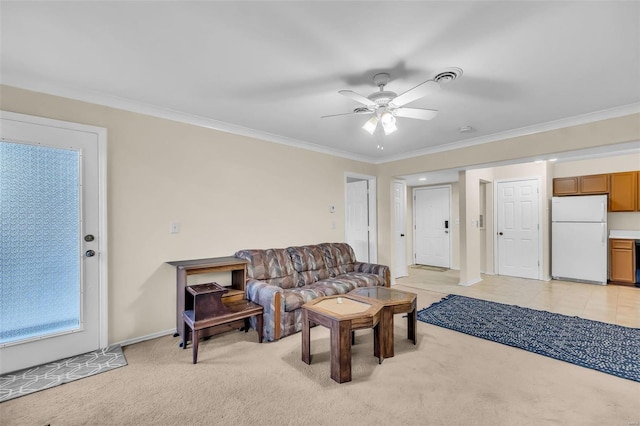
x: 622, y: 234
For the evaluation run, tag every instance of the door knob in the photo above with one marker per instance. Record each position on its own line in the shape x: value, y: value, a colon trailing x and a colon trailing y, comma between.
x: 89, y: 253
x: 88, y: 238
x: 402, y: 235
x: 499, y: 233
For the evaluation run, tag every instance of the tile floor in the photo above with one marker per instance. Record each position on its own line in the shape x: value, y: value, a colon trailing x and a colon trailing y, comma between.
x: 611, y: 303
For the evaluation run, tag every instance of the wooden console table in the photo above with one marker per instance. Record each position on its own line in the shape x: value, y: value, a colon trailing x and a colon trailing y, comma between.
x: 238, y: 269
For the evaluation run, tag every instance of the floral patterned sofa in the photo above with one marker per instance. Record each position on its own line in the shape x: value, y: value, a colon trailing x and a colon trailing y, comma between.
x: 282, y: 280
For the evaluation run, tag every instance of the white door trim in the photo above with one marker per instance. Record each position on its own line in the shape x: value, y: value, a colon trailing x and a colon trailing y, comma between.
x: 101, y: 134
x: 373, y: 222
x: 496, y: 260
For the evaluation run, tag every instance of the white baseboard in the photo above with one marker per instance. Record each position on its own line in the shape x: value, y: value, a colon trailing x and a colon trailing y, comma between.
x: 470, y: 282
x: 147, y: 337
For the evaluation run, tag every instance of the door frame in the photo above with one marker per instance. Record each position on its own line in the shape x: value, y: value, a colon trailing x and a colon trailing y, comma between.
x: 418, y: 188
x: 403, y: 270
x: 373, y: 217
x: 496, y: 254
x: 101, y: 135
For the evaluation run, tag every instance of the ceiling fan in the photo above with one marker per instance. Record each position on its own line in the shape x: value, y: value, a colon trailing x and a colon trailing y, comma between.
x: 386, y: 105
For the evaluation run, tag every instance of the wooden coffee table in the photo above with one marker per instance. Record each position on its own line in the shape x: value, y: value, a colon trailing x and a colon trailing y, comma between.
x: 393, y: 302
x: 341, y: 315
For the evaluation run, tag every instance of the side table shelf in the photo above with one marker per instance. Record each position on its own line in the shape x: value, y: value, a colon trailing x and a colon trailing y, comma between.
x: 235, y: 293
x: 209, y: 311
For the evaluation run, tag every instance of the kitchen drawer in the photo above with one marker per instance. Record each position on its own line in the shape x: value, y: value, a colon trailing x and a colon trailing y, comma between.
x: 622, y: 244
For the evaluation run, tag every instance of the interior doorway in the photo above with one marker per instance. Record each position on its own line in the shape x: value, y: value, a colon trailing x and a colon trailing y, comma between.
x: 518, y: 228
x: 432, y: 226
x: 360, y: 216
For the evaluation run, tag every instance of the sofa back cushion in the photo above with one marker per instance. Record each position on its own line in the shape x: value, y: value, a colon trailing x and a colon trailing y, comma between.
x: 339, y: 258
x: 309, y: 263
x: 273, y: 266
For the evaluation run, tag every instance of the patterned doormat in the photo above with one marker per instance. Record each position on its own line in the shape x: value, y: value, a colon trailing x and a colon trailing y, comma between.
x: 29, y: 380
x: 429, y: 268
x: 609, y: 348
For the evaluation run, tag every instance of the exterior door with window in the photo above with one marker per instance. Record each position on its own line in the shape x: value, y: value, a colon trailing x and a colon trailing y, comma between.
x: 50, y: 267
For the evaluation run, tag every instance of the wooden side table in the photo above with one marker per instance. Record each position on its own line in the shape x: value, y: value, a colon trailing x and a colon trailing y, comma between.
x: 209, y: 311
x: 238, y: 269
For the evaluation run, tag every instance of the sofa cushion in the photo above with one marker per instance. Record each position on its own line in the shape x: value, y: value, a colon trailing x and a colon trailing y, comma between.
x: 273, y: 266
x: 296, y: 297
x: 339, y: 258
x: 309, y: 262
x: 363, y: 279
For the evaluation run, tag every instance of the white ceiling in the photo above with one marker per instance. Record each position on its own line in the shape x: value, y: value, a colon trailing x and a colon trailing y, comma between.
x: 271, y: 69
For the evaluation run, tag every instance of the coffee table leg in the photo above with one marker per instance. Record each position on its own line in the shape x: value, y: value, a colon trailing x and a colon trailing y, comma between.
x: 341, y: 351
x: 386, y: 331
x: 306, y: 344
x: 412, y: 322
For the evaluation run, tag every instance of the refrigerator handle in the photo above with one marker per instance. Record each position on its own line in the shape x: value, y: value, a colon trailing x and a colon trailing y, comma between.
x: 604, y: 233
x: 604, y: 212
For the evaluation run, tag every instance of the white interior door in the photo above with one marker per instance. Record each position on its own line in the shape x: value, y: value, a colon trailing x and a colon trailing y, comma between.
x: 50, y: 242
x: 358, y: 219
x: 399, y: 214
x: 517, y: 229
x: 432, y: 238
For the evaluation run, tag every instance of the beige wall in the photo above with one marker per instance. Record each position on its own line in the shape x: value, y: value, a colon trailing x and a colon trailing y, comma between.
x: 228, y: 192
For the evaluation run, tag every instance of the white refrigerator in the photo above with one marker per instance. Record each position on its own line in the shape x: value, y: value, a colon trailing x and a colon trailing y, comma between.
x: 579, y: 238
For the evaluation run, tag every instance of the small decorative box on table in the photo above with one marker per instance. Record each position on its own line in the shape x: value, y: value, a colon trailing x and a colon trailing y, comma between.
x: 209, y: 311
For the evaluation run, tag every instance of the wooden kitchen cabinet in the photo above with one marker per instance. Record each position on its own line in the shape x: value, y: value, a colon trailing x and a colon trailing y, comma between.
x: 581, y: 185
x: 594, y: 184
x: 565, y: 186
x: 638, y: 193
x: 622, y: 261
x: 623, y: 192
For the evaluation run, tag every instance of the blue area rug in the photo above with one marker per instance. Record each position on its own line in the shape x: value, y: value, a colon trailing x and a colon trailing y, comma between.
x: 34, y: 379
x: 609, y: 348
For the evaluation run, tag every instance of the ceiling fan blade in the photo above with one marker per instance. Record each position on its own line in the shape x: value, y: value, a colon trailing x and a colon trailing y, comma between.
x: 358, y: 98
x: 416, y: 93
x: 419, y: 113
x: 364, y: 111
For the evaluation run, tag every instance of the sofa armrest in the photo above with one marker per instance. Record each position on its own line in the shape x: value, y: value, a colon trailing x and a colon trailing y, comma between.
x: 375, y: 269
x: 270, y: 298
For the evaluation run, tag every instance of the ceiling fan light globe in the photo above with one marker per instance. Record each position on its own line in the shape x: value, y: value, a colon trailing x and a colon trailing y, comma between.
x: 370, y: 125
x: 387, y: 118
x: 389, y: 127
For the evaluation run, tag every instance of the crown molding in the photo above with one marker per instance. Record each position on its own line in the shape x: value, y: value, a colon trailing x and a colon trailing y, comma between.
x: 117, y: 102
x: 125, y: 104
x: 523, y: 131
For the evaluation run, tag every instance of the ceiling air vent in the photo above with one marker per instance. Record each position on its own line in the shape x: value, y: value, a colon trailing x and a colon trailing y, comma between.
x: 448, y: 75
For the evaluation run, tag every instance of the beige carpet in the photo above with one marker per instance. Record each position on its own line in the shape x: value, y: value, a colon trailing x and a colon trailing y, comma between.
x: 447, y: 379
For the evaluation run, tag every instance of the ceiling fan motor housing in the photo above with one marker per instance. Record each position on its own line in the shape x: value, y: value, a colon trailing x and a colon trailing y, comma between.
x: 383, y: 97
